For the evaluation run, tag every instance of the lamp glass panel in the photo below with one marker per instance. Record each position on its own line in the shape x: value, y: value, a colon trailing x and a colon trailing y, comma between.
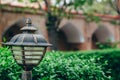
x: 33, y: 54
x: 17, y: 53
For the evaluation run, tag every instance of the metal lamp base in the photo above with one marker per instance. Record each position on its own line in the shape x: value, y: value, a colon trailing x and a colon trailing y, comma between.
x: 27, y: 75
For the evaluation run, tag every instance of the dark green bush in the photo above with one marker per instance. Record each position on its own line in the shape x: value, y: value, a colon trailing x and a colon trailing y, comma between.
x: 111, y: 56
x: 9, y: 70
x: 60, y: 66
x: 82, y: 65
x: 107, y: 45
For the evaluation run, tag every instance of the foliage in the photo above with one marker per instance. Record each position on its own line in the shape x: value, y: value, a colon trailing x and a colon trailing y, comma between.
x: 86, y: 6
x: 89, y: 17
x: 102, y: 7
x: 81, y: 65
x: 20, y: 9
x: 56, y: 66
x: 33, y: 0
x: 106, y: 45
x: 29, y: 0
x: 112, y: 56
x: 8, y: 68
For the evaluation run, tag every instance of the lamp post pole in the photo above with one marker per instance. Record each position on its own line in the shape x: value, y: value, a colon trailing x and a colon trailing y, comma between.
x: 27, y: 75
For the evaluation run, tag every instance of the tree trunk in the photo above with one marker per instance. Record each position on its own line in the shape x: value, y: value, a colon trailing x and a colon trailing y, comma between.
x: 52, y: 23
x: 53, y: 38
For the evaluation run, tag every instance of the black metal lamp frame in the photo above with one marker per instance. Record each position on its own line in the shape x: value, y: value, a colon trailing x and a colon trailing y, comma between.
x: 30, y: 40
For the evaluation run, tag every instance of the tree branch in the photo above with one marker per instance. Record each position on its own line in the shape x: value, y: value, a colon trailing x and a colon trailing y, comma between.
x: 39, y: 5
x: 118, y: 6
x: 113, y: 5
x: 47, y: 4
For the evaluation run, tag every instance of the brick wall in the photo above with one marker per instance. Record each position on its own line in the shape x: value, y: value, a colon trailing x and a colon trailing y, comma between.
x: 7, y: 19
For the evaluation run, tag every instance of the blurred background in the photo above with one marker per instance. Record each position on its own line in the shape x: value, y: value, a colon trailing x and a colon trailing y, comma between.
x: 67, y: 24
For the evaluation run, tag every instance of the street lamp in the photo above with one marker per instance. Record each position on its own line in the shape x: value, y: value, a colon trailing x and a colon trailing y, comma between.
x: 28, y: 49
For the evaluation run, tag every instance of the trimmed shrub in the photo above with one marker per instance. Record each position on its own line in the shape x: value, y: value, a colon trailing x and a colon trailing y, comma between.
x: 9, y: 70
x: 109, y: 56
x: 61, y: 66
x: 55, y: 66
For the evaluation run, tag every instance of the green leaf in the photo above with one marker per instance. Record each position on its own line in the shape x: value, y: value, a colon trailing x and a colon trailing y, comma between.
x: 20, y: 0
x: 90, y: 2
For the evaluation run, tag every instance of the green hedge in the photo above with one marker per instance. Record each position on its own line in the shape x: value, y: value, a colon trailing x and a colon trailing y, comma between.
x: 110, y: 56
x: 9, y: 70
x: 82, y: 65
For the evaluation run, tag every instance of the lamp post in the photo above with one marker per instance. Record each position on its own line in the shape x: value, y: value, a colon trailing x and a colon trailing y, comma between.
x: 28, y: 49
